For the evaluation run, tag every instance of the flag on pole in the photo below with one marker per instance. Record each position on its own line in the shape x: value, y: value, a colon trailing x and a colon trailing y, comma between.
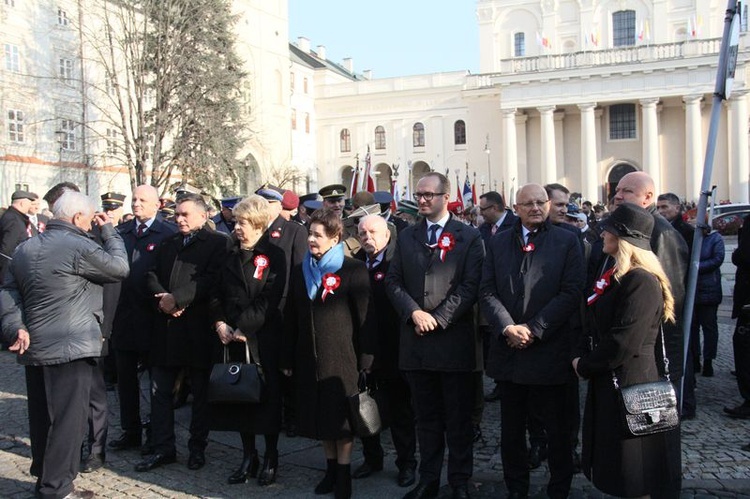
x: 467, y: 195
x: 459, y: 195
x: 395, y: 195
x: 355, y: 179
x: 474, y: 190
x: 370, y: 187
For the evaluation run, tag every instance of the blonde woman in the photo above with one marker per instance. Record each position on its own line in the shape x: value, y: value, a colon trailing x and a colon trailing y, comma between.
x: 626, y: 308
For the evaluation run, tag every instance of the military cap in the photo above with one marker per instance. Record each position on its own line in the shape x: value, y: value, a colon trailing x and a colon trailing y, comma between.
x: 382, y: 197
x: 271, y: 193
x: 333, y: 191
x: 408, y: 207
x: 112, y: 200
x: 313, y: 196
x: 24, y: 195
x: 230, y: 202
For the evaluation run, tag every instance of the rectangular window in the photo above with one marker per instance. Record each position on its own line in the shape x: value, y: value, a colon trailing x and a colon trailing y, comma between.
x: 622, y: 121
x: 294, y: 119
x: 743, y: 18
x: 112, y: 141
x: 519, y: 45
x: 62, y: 17
x: 67, y: 136
x: 10, y: 3
x: 66, y: 69
x: 12, y: 58
x: 291, y: 81
x: 623, y: 28
x: 15, y: 126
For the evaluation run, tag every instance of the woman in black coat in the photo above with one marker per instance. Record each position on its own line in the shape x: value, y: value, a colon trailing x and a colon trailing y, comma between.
x: 626, y: 310
x: 327, y: 334
x: 245, y: 307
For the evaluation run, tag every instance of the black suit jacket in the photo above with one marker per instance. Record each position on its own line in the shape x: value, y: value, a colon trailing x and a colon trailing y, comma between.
x: 291, y: 237
x: 135, y: 314
x: 417, y: 279
x: 189, y: 272
x: 508, y: 222
x: 540, y: 288
x: 13, y: 231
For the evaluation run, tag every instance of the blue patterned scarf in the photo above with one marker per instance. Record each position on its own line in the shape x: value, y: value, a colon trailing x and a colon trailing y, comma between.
x: 314, y: 270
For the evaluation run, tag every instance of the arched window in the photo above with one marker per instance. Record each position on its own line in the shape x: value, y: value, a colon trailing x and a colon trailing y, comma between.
x: 519, y: 45
x: 459, y: 133
x: 623, y: 28
x: 345, y: 140
x: 307, y: 122
x: 379, y: 137
x: 294, y: 119
x: 418, y: 135
x: 304, y: 84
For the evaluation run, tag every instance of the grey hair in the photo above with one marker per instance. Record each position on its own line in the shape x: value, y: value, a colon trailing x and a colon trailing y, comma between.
x: 71, y: 203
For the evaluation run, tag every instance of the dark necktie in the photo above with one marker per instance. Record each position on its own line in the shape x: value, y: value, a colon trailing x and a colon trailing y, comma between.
x: 493, y: 231
x: 141, y: 229
x: 371, y: 262
x: 433, y: 234
x: 186, y: 239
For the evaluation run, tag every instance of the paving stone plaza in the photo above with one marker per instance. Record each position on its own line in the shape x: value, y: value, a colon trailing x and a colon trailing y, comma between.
x: 713, y: 463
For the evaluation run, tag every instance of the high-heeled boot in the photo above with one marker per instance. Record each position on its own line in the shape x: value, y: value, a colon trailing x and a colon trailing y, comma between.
x: 343, y: 488
x: 270, y: 465
x: 248, y: 468
x: 328, y: 483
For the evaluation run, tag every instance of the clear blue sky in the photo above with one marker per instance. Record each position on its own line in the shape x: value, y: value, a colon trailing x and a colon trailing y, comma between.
x: 391, y: 37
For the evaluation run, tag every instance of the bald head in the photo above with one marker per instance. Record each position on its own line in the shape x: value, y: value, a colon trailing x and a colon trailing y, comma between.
x: 637, y: 188
x: 532, y: 205
x: 145, y: 202
x: 373, y: 234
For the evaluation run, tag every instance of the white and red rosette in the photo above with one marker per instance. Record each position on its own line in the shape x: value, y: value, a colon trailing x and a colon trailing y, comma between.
x: 42, y: 226
x: 261, y: 263
x: 601, y: 286
x: 528, y: 248
x: 331, y: 282
x: 378, y: 276
x: 276, y: 234
x: 151, y: 247
x: 446, y: 243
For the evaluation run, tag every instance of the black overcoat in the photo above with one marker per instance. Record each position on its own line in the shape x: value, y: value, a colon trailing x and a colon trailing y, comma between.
x: 540, y: 288
x: 189, y: 272
x: 322, y: 344
x: 248, y: 298
x: 418, y: 279
x: 291, y: 237
x: 624, y: 323
x: 135, y: 314
x: 14, y: 229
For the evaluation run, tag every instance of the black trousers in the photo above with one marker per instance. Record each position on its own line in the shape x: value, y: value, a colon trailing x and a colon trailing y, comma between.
x: 550, y: 405
x: 96, y: 438
x: 162, y: 408
x: 741, y: 344
x: 58, y: 393
x: 397, y: 396
x: 443, y: 403
x: 129, y: 389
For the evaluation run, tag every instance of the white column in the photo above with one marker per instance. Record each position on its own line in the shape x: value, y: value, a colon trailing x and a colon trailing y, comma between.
x: 510, y: 150
x: 693, y: 147
x: 559, y: 119
x: 549, y: 157
x: 522, y: 155
x: 589, y: 180
x: 651, y: 142
x: 738, y: 148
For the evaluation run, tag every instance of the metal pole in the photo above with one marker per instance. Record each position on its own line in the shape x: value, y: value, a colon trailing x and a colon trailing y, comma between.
x: 700, y: 221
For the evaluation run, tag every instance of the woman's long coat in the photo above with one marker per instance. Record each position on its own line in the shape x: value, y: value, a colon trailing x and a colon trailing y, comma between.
x: 250, y: 301
x: 322, y: 344
x: 625, y: 322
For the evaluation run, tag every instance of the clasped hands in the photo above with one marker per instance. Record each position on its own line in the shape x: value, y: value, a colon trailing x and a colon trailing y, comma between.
x: 228, y: 335
x: 168, y: 304
x: 518, y: 336
x: 424, y: 322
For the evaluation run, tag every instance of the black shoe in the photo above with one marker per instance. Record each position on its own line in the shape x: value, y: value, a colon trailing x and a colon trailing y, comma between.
x: 343, y: 487
x: 366, y: 469
x: 327, y: 485
x: 494, y: 395
x: 708, y: 368
x: 154, y: 461
x: 746, y: 447
x: 517, y: 495
x: 196, y: 460
x: 424, y: 490
x: 79, y: 494
x: 248, y: 468
x: 576, y: 462
x: 92, y: 463
x: 477, y: 433
x: 537, y: 454
x: 407, y: 476
x: 270, y: 465
x: 126, y: 441
x: 687, y: 417
x: 291, y: 430
x: 740, y: 412
x: 461, y: 492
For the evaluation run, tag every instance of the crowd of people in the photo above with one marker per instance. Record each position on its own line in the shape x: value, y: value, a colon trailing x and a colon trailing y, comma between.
x: 319, y: 290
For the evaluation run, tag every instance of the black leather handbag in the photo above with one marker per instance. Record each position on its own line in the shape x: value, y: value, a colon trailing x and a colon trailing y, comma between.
x: 649, y: 408
x: 364, y: 415
x: 237, y: 382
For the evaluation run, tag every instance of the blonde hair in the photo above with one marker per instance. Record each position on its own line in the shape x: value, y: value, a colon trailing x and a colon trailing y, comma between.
x: 630, y: 257
x: 255, y: 210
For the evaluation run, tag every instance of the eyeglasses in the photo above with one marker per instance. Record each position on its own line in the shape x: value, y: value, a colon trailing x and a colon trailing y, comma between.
x: 426, y: 195
x: 532, y: 204
x: 488, y: 207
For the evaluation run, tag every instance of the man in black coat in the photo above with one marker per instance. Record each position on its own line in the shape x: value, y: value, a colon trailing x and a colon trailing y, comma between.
x: 184, y: 276
x: 668, y: 205
x: 433, y: 283
x: 377, y: 252
x: 531, y: 285
x: 672, y: 251
x: 133, y: 324
x: 741, y: 337
x: 15, y: 226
